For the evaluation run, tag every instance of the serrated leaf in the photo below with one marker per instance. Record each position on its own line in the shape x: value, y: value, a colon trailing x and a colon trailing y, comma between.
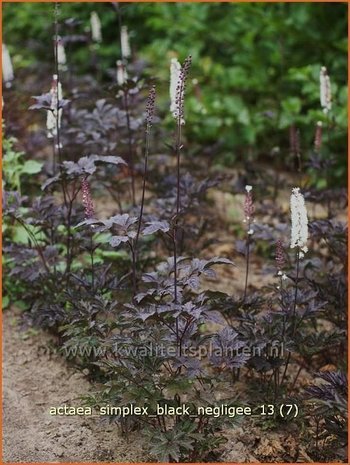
x: 115, y: 241
x: 155, y: 226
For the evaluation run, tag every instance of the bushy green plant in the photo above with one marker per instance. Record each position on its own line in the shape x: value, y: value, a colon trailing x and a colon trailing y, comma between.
x: 15, y: 167
x: 256, y: 65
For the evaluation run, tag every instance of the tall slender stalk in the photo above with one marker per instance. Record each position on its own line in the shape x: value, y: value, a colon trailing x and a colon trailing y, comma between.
x: 68, y: 202
x: 283, y: 327
x: 296, y: 289
x: 294, y: 310
x: 89, y: 212
x: 149, y: 120
x: 178, y: 146
x: 126, y: 108
x: 57, y: 72
x: 248, y: 212
x: 247, y: 263
x: 130, y: 145
x: 329, y: 171
x: 178, y: 202
x: 145, y: 168
x: 175, y: 278
x: 92, y: 261
x: 133, y: 260
x: 134, y: 244
x: 178, y: 99
x: 178, y: 153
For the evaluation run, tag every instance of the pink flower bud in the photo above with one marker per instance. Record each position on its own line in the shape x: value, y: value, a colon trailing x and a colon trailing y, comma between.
x: 87, y: 199
x: 248, y: 205
x: 280, y: 255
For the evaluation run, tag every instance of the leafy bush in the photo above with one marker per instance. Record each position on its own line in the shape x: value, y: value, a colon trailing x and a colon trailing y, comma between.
x: 256, y: 66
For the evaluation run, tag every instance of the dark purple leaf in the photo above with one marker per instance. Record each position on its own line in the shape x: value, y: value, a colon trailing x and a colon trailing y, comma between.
x: 155, y: 226
x: 115, y: 241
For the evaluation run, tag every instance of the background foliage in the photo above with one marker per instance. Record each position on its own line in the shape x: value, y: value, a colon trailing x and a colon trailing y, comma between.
x: 256, y: 66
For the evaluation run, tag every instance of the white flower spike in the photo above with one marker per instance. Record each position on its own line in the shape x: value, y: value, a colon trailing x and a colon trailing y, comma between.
x: 299, y: 231
x: 325, y: 90
x: 53, y: 122
x: 7, y: 68
x: 61, y: 55
x: 122, y: 74
x: 95, y: 27
x: 175, y: 69
x: 178, y: 76
x: 124, y: 41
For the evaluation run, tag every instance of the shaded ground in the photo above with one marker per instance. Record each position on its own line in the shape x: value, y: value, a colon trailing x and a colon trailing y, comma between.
x: 33, y: 382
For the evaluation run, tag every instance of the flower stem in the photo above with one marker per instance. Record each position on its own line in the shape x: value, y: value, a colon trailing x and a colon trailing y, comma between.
x: 92, y: 261
x: 68, y: 202
x: 294, y: 311
x: 296, y: 290
x: 131, y: 154
x: 247, y: 262
x: 145, y: 168
x: 178, y: 201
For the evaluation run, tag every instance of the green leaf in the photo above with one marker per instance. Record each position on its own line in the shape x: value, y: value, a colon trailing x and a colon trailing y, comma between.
x: 5, y: 301
x: 292, y: 105
x: 31, y: 167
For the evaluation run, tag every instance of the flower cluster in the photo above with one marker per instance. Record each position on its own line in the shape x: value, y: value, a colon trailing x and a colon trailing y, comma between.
x: 178, y: 77
x: 248, y: 208
x: 95, y: 24
x: 150, y: 106
x: 124, y: 42
x: 175, y: 69
x: 87, y: 199
x: 122, y: 74
x: 280, y: 255
x: 7, y: 68
x: 325, y: 90
x: 299, y: 231
x: 54, y: 115
x: 61, y: 55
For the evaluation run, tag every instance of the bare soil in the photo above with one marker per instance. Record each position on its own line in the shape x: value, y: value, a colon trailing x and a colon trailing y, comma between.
x: 34, y: 381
